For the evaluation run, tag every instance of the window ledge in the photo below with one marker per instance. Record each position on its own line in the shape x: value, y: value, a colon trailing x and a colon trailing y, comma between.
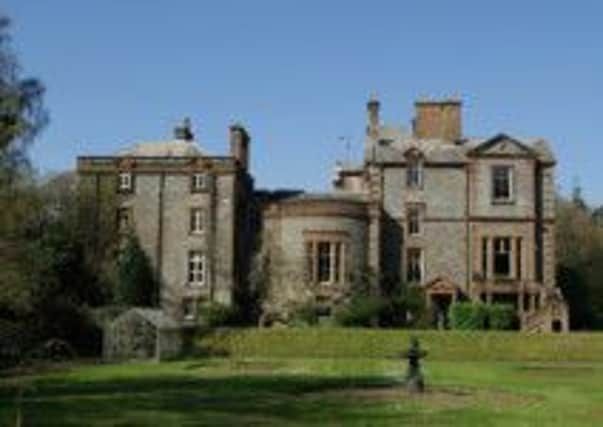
x: 196, y: 285
x: 504, y: 279
x: 503, y: 201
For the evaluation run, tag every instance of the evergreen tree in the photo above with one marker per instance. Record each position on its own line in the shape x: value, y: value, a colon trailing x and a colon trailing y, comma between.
x: 136, y: 282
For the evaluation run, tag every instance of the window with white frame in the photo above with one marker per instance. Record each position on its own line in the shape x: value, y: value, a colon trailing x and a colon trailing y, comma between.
x: 502, y: 257
x: 197, y: 222
x: 124, y: 182
x: 199, y: 182
x: 196, y: 268
x: 414, y: 173
x: 413, y: 219
x: 414, y: 265
x: 325, y: 261
x: 502, y: 183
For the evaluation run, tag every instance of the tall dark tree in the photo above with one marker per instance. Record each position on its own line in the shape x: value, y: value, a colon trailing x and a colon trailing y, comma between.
x: 22, y: 112
x: 136, y: 284
x: 22, y: 116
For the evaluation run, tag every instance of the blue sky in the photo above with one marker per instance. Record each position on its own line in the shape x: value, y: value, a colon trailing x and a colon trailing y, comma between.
x: 298, y: 74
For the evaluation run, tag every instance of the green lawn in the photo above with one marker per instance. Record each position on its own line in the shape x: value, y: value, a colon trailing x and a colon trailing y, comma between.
x: 278, y: 391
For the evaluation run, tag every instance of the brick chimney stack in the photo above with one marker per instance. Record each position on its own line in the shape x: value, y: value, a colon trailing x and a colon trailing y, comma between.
x: 438, y: 119
x: 239, y: 144
x: 372, y: 108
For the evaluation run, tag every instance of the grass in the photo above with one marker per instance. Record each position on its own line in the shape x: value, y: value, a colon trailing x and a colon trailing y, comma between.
x: 379, y: 343
x: 280, y: 389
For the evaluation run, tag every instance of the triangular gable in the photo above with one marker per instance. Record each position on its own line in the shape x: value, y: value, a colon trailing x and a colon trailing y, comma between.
x: 503, y: 145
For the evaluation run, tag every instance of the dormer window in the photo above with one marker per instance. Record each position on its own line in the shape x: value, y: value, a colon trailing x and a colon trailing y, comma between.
x: 125, y: 182
x: 502, y: 184
x: 414, y: 173
x: 199, y: 182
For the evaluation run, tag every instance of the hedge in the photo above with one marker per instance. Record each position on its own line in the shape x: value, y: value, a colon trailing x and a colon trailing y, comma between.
x: 468, y: 316
x: 380, y: 343
x: 501, y: 316
x: 476, y: 316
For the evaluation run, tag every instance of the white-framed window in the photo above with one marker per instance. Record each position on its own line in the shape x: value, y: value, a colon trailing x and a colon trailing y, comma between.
x: 414, y: 265
x: 325, y: 261
x: 413, y: 220
x: 196, y: 268
x: 502, y: 257
x: 199, y: 182
x: 124, y: 182
x: 414, y: 173
x: 502, y: 183
x: 197, y: 223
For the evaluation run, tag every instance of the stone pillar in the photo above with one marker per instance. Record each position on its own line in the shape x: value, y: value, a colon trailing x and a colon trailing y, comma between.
x: 333, y: 257
x: 489, y: 259
x: 314, y: 277
x: 513, y: 264
x: 342, y: 262
x: 521, y: 291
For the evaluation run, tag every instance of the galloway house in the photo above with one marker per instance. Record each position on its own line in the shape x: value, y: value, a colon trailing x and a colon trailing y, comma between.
x: 462, y: 217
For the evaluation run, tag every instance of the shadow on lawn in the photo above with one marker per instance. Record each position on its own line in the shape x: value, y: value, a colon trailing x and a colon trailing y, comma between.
x: 153, y: 400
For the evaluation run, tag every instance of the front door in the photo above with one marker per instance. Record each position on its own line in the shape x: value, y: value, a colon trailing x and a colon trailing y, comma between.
x: 441, y: 304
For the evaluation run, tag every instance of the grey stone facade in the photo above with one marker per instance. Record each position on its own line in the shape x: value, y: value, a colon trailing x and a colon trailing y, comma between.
x: 160, y: 203
x: 467, y: 235
x: 461, y: 217
x: 293, y: 230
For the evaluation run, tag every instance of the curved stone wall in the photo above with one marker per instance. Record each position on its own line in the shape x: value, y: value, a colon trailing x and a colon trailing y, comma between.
x: 294, y: 229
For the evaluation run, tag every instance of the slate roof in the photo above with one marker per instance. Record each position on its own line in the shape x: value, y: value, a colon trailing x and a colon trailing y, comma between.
x: 392, y: 143
x: 173, y: 148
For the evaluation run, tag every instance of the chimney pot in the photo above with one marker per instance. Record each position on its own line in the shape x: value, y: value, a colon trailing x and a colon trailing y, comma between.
x: 373, y: 106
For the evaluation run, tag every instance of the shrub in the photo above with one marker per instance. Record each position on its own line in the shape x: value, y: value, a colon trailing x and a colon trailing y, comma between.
x: 501, y: 316
x: 305, y: 314
x: 468, y: 316
x: 216, y: 314
x: 393, y: 312
x: 362, y: 311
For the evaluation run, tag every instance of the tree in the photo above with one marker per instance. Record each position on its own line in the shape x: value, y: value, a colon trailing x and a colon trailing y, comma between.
x: 577, y: 198
x: 598, y: 216
x: 136, y: 282
x: 22, y: 113
x: 579, y: 259
x: 22, y: 116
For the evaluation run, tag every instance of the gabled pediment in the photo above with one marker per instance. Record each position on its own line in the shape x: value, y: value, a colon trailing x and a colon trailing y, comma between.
x: 441, y: 285
x: 503, y: 145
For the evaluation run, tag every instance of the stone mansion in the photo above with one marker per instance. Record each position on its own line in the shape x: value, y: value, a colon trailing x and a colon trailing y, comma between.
x: 462, y: 217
